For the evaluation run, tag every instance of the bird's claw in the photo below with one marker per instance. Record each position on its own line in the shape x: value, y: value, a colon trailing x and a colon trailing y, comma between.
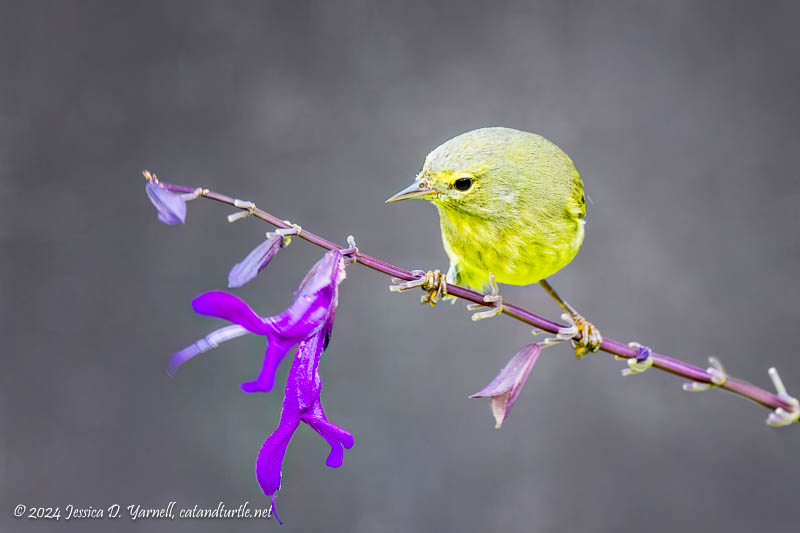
x: 494, y: 297
x: 435, y: 287
x: 590, y: 338
x: 433, y: 282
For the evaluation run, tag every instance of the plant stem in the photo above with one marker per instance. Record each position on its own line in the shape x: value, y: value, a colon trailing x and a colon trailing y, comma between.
x: 662, y: 362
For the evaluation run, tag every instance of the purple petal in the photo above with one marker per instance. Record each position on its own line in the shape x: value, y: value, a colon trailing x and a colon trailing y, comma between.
x: 314, y: 302
x: 333, y: 434
x: 304, y: 368
x: 255, y: 262
x: 270, y: 457
x: 171, y: 208
x: 328, y: 271
x: 284, y: 331
x: 209, y: 342
x: 312, y: 310
x: 231, y: 308
x: 306, y: 315
x: 327, y: 327
x: 304, y: 374
x: 504, y: 389
x: 303, y: 388
x: 277, y: 348
x: 301, y: 402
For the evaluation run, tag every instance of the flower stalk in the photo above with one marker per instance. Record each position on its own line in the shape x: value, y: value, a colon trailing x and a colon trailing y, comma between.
x: 666, y: 363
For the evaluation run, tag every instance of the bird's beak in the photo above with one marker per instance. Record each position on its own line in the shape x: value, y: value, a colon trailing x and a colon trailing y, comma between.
x: 418, y: 189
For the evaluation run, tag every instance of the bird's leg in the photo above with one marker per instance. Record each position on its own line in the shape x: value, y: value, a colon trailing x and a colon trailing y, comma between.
x: 590, y: 338
x: 494, y: 297
x: 432, y: 282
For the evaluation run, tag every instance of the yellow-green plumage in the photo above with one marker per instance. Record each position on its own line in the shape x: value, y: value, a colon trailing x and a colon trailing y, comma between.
x: 521, y: 218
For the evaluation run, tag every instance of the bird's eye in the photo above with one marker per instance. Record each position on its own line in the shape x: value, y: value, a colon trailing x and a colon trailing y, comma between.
x: 463, y: 184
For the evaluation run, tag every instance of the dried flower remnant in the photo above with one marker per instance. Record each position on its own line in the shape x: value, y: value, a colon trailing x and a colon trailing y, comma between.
x: 170, y: 207
x: 504, y: 389
x: 248, y: 268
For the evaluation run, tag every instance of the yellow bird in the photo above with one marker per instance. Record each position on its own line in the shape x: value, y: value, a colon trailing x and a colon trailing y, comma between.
x: 512, y: 210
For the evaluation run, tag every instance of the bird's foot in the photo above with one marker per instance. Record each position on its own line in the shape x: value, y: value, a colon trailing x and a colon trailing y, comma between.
x: 433, y: 282
x: 590, y: 338
x: 494, y: 297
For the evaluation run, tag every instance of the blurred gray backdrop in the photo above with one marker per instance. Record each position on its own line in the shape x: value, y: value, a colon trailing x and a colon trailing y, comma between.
x: 682, y: 117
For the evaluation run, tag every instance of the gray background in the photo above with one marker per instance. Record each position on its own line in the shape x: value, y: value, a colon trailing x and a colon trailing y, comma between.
x: 681, y: 116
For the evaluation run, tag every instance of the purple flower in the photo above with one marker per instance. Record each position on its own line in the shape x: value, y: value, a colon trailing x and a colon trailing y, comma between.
x: 504, y: 389
x: 309, y: 322
x: 171, y: 207
x: 314, y: 305
x: 301, y: 403
x: 255, y: 261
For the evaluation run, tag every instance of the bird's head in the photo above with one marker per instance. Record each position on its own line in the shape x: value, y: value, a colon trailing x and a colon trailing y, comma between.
x: 442, y: 188
x: 469, y: 174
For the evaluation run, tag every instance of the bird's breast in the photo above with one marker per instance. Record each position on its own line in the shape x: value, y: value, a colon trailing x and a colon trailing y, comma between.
x: 517, y: 252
